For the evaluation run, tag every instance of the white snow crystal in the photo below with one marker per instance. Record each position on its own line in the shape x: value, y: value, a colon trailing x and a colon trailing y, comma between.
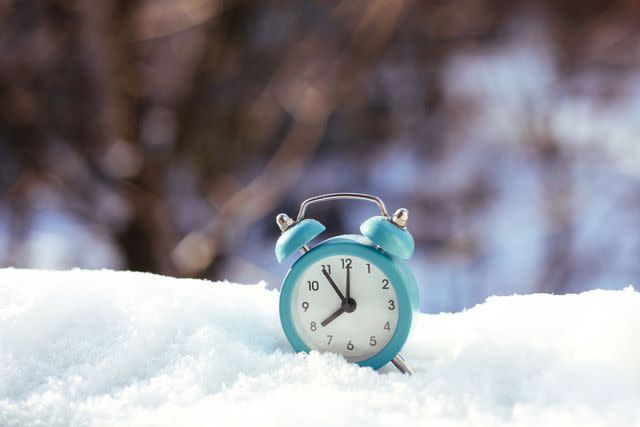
x: 119, y: 348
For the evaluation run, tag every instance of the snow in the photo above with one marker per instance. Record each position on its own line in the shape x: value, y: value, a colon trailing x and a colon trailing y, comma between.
x: 120, y: 348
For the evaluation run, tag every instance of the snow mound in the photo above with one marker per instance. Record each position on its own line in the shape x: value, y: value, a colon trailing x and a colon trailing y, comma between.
x: 119, y: 348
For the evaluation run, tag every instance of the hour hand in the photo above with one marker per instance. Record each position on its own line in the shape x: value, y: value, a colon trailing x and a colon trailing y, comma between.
x: 333, y: 285
x: 333, y: 317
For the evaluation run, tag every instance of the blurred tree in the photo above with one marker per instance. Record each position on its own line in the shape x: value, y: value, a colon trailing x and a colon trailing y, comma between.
x: 171, y: 128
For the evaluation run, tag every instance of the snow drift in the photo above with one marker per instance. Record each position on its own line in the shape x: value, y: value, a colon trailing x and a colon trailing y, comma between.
x: 117, y: 348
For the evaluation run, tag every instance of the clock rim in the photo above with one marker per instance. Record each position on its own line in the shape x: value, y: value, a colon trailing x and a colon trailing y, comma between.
x: 359, y: 247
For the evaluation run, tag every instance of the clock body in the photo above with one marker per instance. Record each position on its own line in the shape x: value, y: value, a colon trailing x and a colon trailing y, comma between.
x: 384, y: 294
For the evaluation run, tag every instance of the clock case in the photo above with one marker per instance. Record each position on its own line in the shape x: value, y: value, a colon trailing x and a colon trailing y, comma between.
x: 383, y: 242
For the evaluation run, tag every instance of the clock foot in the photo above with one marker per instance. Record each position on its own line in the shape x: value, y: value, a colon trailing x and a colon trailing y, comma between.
x: 401, y: 364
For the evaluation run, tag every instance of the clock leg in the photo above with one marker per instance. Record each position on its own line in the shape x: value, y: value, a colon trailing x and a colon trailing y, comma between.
x: 402, y: 364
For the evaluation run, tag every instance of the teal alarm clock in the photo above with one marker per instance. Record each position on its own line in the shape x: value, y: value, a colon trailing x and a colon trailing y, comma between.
x: 351, y: 294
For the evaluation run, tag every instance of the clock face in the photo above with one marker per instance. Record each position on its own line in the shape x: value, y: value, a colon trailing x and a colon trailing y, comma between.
x: 357, y: 322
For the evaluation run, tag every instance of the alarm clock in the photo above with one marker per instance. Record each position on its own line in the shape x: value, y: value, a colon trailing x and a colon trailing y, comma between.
x: 352, y: 294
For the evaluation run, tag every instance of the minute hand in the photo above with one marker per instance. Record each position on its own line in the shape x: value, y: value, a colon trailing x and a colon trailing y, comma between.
x: 333, y: 285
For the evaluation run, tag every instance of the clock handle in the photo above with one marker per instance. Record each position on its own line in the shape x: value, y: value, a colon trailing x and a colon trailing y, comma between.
x: 389, y: 233
x: 402, y: 364
x: 342, y: 196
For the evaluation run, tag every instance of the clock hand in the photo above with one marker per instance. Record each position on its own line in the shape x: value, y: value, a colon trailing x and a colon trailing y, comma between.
x: 348, y: 296
x: 334, y: 316
x: 333, y: 285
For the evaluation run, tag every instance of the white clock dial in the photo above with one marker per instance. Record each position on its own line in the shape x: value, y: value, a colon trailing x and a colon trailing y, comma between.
x: 325, y: 320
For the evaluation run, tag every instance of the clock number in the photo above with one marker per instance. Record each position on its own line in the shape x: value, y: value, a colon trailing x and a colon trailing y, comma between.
x: 392, y: 304
x: 330, y: 338
x: 327, y: 268
x: 385, y: 283
x: 387, y: 327
x: 305, y: 306
x: 346, y: 262
x: 313, y: 326
x: 313, y: 285
x: 372, y: 341
x: 368, y: 268
x: 350, y: 346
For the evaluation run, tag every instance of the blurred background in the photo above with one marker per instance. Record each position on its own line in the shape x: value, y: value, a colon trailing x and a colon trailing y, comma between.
x: 165, y: 135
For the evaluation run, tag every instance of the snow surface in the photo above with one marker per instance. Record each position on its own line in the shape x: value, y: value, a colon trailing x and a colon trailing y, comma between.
x: 120, y: 348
